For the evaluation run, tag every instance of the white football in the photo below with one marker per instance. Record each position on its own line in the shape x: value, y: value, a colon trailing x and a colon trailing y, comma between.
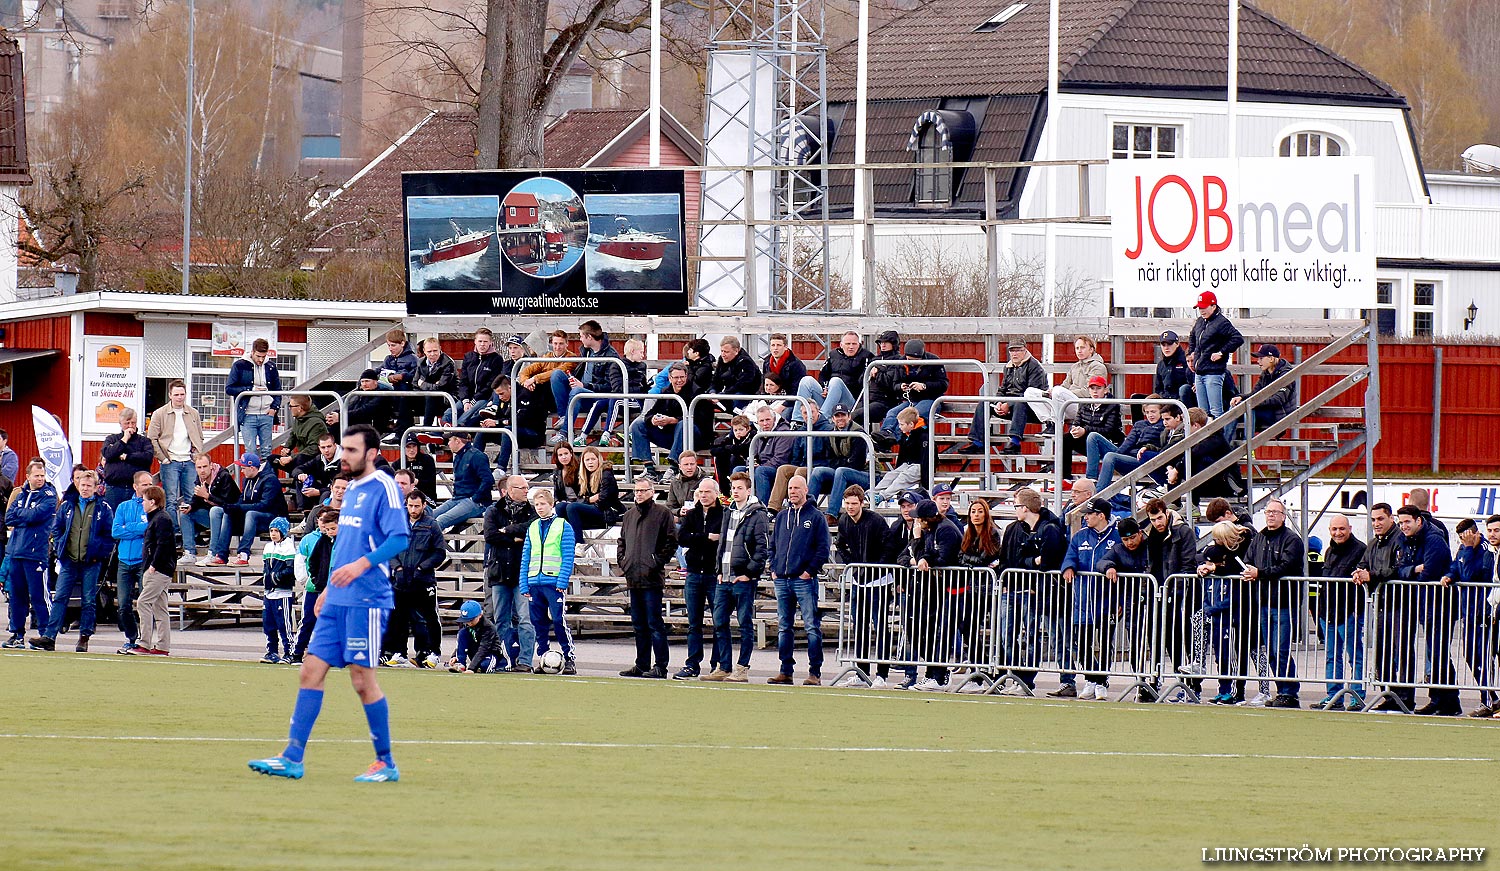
x: 551, y: 662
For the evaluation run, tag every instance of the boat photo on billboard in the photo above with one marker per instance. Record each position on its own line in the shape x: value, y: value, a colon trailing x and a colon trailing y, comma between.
x: 634, y: 242
x: 451, y: 243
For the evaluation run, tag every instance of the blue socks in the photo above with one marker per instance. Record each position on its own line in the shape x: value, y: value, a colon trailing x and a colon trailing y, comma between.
x: 304, y: 715
x: 378, y: 715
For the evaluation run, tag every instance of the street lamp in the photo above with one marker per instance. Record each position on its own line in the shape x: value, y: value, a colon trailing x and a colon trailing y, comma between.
x: 1473, y: 315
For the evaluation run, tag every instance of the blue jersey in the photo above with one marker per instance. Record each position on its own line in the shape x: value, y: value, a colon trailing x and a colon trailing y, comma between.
x: 371, y: 514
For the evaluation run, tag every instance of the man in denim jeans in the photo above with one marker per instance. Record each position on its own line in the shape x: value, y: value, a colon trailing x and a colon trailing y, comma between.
x: 176, y: 434
x: 698, y: 535
x: 1342, y: 607
x: 1275, y: 553
x: 255, y: 374
x: 799, y: 549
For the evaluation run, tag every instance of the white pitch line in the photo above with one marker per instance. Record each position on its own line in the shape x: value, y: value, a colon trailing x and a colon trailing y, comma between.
x: 763, y: 748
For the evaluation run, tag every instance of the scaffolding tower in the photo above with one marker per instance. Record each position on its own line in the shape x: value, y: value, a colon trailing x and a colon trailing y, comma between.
x: 765, y: 235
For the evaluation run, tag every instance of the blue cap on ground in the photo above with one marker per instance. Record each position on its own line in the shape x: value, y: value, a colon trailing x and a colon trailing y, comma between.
x: 470, y: 610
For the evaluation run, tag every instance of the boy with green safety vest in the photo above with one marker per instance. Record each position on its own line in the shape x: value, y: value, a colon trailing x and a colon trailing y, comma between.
x: 546, y: 571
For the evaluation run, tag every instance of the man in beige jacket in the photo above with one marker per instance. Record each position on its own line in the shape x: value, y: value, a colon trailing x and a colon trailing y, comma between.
x: 176, y: 434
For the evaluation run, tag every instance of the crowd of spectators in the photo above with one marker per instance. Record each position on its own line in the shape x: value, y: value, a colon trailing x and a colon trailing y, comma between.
x: 734, y: 513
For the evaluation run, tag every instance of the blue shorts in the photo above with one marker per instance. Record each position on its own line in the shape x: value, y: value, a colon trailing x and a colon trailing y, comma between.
x: 348, y: 635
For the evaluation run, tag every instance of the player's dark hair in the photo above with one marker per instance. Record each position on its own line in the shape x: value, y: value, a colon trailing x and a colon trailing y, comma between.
x: 1467, y: 525
x: 1410, y: 511
x: 366, y: 432
x: 329, y: 515
x: 1381, y: 506
x: 155, y: 494
x: 417, y: 494
x: 1493, y: 518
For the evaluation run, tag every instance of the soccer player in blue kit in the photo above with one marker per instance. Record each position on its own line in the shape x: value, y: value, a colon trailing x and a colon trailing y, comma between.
x: 352, y: 611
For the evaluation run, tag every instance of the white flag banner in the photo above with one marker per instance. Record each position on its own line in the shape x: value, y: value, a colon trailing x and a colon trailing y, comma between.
x: 52, y: 444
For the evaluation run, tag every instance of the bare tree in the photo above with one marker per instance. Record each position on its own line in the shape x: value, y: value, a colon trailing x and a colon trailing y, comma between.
x: 75, y: 213
x: 927, y: 278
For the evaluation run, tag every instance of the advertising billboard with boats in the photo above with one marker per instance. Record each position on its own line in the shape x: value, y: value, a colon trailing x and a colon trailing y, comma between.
x: 528, y: 242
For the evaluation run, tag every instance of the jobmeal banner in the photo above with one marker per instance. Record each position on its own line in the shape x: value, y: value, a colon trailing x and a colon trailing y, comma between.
x: 584, y: 242
x: 1259, y: 232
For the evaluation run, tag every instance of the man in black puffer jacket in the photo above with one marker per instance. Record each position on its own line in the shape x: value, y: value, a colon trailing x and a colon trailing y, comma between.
x: 1093, y: 417
x: 414, y: 582
x: 884, y: 394
x: 698, y: 534
x: 1210, y: 346
x: 1276, y: 553
x: 505, y: 525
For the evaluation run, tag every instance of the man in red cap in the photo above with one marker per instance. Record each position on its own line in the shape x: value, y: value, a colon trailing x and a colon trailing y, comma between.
x: 1093, y: 417
x: 1210, y: 346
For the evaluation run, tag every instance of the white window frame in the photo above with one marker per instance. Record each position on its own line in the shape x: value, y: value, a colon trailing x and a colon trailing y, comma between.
x: 1393, y: 306
x: 1346, y: 142
x: 1178, y: 124
x: 1434, y: 309
x: 299, y: 350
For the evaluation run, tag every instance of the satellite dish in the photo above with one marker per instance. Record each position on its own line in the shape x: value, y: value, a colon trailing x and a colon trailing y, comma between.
x: 1482, y: 158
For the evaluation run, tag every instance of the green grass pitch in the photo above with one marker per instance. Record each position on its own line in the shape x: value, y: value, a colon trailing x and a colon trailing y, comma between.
x: 114, y: 762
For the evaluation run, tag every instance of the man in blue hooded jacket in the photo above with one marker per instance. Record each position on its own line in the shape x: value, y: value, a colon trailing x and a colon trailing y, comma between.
x: 29, y: 518
x: 82, y: 543
x: 798, y: 552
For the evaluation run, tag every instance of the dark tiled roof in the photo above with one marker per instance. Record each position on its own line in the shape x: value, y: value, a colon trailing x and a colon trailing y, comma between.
x: 933, y: 51
x: 14, y: 166
x: 576, y: 137
x: 1174, y: 44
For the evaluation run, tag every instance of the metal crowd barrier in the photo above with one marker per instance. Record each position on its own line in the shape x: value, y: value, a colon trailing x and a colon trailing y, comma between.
x: 1091, y: 628
x: 939, y: 619
x: 1424, y: 634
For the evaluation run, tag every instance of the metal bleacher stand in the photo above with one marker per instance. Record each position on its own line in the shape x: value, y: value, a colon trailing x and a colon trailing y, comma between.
x: 809, y: 435
x: 515, y: 461
x: 624, y: 399
x: 688, y: 439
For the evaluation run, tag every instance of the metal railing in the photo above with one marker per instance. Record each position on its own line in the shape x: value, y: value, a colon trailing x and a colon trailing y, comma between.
x: 395, y: 397
x: 625, y: 418
x: 518, y: 365
x: 809, y: 435
x: 688, y: 441
x: 977, y: 365
x: 234, y: 413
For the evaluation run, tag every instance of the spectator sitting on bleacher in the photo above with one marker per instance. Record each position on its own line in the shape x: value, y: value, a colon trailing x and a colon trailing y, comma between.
x: 478, y: 642
x: 307, y: 428
x: 918, y: 385
x: 660, y: 423
x: 214, y: 487
x: 1089, y: 366
x: 783, y: 366
x: 414, y: 583
x: 311, y: 477
x: 473, y: 482
x: 910, y: 469
x: 124, y: 454
x: 515, y: 351
x: 1094, y: 418
x: 478, y: 370
x: 842, y: 377
x: 884, y: 394
x: 494, y: 413
x: 260, y: 500
x: 734, y: 373
x: 370, y: 404
x: 731, y: 452
x: 435, y: 371
x: 598, y: 503
x: 845, y: 460
x: 546, y: 572
x: 636, y: 376
x: 771, y: 454
x: 278, y: 577
x: 819, y: 449
x: 699, y: 358
x: 565, y: 468
x: 1173, y: 379
x: 592, y: 377
x: 534, y: 381
x: 1228, y: 483
x: 505, y: 525
x: 319, y: 560
x: 1022, y: 373
x: 776, y: 398
x: 1172, y: 431
x: 1105, y: 458
x: 1279, y: 404
x: 421, y: 466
